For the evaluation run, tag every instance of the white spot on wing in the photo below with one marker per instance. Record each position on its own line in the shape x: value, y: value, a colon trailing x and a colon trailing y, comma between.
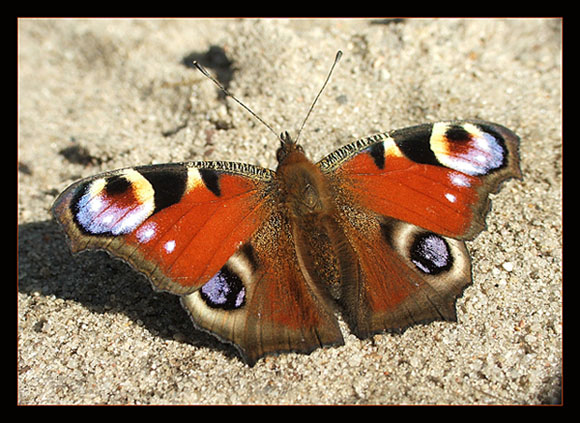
x: 193, y: 178
x: 100, y: 213
x: 391, y: 149
x: 169, y: 246
x: 146, y: 232
x: 96, y: 204
x: 459, y: 180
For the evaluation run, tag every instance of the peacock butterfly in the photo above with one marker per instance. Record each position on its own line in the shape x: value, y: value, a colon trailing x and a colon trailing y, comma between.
x: 264, y: 259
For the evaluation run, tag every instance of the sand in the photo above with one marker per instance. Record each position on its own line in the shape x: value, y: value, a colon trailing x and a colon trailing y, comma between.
x: 96, y: 95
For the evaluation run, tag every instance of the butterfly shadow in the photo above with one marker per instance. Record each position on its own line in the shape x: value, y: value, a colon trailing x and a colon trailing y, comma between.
x: 102, y: 285
x: 214, y: 58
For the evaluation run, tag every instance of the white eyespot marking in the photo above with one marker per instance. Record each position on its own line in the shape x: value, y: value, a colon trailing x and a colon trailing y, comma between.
x: 459, y: 180
x: 95, y: 204
x: 131, y: 220
x: 224, y: 290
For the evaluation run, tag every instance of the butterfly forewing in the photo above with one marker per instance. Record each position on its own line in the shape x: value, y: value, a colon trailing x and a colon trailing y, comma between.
x: 178, y: 223
x: 436, y: 176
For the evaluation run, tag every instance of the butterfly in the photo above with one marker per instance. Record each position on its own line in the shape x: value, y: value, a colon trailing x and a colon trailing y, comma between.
x: 265, y: 259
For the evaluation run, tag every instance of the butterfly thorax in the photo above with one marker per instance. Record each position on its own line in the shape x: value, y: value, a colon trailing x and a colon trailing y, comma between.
x: 302, y: 184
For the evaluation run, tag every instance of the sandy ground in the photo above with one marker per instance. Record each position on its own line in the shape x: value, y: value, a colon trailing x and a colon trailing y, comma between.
x: 101, y: 94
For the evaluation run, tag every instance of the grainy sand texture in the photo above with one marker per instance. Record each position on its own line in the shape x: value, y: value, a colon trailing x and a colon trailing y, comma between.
x: 101, y: 94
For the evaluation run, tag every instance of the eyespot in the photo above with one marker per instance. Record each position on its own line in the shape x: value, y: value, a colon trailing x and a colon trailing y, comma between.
x: 468, y: 148
x: 431, y: 253
x: 225, y: 290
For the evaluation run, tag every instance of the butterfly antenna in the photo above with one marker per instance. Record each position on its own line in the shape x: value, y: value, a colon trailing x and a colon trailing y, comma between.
x: 336, y: 59
x: 226, y: 92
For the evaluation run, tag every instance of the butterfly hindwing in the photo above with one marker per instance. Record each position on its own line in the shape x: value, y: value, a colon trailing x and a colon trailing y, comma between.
x: 405, y: 202
x: 404, y: 275
x: 280, y: 309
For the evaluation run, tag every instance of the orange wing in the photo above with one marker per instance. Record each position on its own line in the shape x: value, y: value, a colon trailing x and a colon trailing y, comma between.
x: 436, y: 176
x: 178, y: 224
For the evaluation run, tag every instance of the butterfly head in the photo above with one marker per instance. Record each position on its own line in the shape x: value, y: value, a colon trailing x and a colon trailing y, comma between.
x: 287, y: 146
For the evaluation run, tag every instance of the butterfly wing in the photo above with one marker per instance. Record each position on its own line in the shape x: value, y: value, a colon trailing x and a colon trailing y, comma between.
x: 283, y: 309
x: 405, y: 202
x: 214, y: 233
x: 436, y: 176
x: 176, y: 223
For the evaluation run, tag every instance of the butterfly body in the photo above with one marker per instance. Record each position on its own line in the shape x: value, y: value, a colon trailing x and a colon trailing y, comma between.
x: 265, y: 259
x: 304, y: 189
